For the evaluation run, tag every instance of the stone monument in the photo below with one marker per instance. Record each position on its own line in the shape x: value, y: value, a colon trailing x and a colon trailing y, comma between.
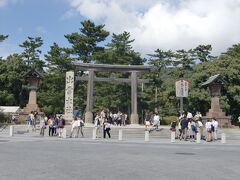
x: 33, y: 78
x: 69, y: 91
x: 215, y: 84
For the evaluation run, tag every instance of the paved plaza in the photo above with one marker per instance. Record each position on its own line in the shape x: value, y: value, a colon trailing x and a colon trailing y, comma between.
x: 51, y: 158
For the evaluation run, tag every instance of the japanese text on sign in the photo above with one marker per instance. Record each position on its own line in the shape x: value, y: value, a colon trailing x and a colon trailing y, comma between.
x: 181, y: 88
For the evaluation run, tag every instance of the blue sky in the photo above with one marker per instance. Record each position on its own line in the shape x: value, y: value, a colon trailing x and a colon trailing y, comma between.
x: 164, y: 24
x: 33, y: 18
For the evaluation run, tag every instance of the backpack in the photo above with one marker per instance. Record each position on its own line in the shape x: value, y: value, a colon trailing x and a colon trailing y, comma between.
x: 63, y: 122
x: 212, y: 128
x: 193, y: 128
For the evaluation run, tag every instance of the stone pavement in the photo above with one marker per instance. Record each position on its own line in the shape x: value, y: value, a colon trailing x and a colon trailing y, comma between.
x: 51, y: 158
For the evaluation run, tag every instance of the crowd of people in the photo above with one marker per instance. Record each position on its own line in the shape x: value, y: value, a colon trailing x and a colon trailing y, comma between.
x: 189, y: 126
x: 55, y: 123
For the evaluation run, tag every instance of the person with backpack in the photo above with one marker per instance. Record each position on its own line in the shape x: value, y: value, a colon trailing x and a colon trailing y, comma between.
x: 193, y: 129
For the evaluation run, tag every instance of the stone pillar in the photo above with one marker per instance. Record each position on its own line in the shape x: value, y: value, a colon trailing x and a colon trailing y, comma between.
x: 88, y: 114
x: 215, y: 110
x: 32, y: 100
x: 134, y: 114
x: 69, y: 91
x: 32, y: 97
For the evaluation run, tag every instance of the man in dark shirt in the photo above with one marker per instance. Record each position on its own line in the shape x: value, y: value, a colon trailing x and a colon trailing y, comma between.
x: 184, y: 125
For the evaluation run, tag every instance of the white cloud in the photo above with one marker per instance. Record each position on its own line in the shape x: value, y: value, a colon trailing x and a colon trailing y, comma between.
x: 4, y: 3
x: 168, y: 24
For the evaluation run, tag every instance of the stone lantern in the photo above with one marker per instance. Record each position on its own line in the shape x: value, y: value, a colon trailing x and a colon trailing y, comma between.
x: 215, y: 84
x: 33, y: 78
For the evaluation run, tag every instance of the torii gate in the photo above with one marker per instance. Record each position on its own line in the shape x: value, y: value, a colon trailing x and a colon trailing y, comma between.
x: 92, y: 68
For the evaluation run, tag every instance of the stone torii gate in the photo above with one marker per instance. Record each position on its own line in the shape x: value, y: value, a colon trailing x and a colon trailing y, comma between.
x: 92, y: 68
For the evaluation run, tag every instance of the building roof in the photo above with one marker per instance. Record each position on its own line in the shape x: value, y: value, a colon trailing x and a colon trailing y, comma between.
x: 33, y: 74
x: 9, y: 109
x: 216, y: 79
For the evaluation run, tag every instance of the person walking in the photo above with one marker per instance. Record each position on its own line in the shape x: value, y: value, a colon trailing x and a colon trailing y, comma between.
x: 97, y: 125
x: 80, y: 125
x: 42, y: 125
x: 61, y: 125
x: 32, y: 119
x: 106, y: 129
x: 156, y: 121
x: 50, y: 126
x: 147, y: 121
x: 215, y: 125
x: 74, y: 127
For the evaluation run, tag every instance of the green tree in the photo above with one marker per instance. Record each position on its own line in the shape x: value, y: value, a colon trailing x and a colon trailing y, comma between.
x: 121, y: 51
x: 31, y: 52
x: 57, y: 59
x: 203, y: 53
x: 11, y: 79
x: 86, y: 43
x: 227, y: 65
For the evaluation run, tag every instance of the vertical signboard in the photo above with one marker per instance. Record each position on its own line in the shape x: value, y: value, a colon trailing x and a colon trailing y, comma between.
x: 182, y: 88
x: 69, y: 88
x: 181, y: 91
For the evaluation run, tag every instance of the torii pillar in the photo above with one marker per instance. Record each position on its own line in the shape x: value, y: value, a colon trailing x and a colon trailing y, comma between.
x: 134, y: 114
x: 89, y: 108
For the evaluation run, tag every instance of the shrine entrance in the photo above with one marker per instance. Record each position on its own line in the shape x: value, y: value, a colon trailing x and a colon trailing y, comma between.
x: 91, y: 77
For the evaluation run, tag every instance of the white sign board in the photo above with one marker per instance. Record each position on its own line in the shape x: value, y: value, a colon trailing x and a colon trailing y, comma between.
x: 181, y: 88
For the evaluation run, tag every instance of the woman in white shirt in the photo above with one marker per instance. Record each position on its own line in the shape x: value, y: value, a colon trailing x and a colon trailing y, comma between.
x: 215, y: 125
x: 208, y: 126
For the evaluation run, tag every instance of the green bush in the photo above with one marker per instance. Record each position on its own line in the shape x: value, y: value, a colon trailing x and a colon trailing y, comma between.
x: 166, y: 120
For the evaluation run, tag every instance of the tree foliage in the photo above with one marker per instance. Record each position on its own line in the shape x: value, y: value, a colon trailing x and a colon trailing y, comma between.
x: 85, y: 43
x: 32, y: 52
x: 196, y: 64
